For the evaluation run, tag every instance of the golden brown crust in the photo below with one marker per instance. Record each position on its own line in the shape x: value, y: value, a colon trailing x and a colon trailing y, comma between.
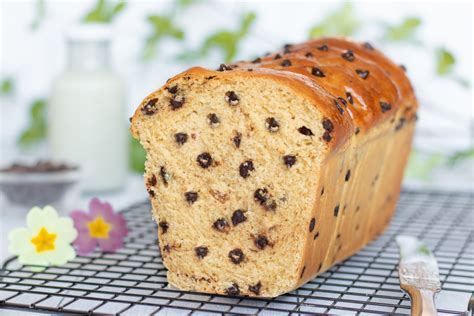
x: 373, y: 100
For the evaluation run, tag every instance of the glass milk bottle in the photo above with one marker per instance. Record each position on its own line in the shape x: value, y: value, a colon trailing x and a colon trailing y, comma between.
x: 87, y: 114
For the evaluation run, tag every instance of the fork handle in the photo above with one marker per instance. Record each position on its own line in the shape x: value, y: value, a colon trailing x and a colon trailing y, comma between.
x: 422, y: 301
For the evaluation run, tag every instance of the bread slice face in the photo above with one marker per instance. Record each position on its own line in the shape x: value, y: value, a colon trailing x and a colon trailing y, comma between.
x: 232, y: 174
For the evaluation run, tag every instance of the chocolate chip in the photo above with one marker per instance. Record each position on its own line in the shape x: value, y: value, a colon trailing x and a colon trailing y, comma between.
x: 165, y: 176
x: 309, y: 55
x: 305, y: 131
x: 368, y: 46
x: 213, y: 119
x: 204, y: 160
x: 151, y: 193
x: 403, y: 67
x: 130, y: 119
x: 285, y: 63
x: 191, y: 197
x: 238, y: 217
x: 271, y: 206
x: 167, y: 248
x: 210, y: 77
x: 277, y: 56
x: 256, y: 60
x: 177, y: 102
x: 220, y: 224
x: 245, y: 168
x: 236, y: 256
x: 339, y: 106
x: 336, y: 210
x: 261, y: 195
x: 316, y: 236
x: 255, y: 288
x: 349, y: 97
x: 348, y: 55
x: 289, y: 160
x: 400, y: 123
x: 286, y: 48
x: 164, y: 226
x: 272, y: 124
x: 312, y: 224
x: 152, y: 180
x: 173, y: 89
x: 320, y: 266
x: 323, y: 48
x: 327, y: 125
x: 362, y: 73
x: 224, y: 67
x: 302, y: 272
x: 348, y: 175
x: 322, y: 191
x: 233, y: 290
x: 237, y: 140
x: 357, y: 208
x: 385, y: 106
x: 261, y: 242
x: 181, y: 138
x: 317, y: 72
x: 150, y: 107
x: 232, y: 98
x: 201, y: 251
x: 327, y: 137
x: 357, y: 130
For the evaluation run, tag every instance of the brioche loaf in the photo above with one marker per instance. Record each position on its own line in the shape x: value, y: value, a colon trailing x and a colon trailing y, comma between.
x: 264, y: 174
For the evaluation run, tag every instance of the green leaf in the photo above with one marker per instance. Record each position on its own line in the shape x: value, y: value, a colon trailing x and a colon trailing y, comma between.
x: 37, y: 129
x: 226, y: 41
x: 162, y: 27
x: 6, y: 86
x: 444, y: 61
x: 137, y: 156
x: 342, y: 22
x: 404, y: 32
x: 40, y: 12
x: 460, y: 156
x: 104, y: 12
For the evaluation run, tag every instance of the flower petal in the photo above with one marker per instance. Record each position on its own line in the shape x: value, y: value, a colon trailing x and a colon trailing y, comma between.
x: 119, y: 225
x: 64, y: 227
x: 111, y: 244
x: 80, y: 218
x: 97, y: 208
x: 85, y: 244
x: 62, y: 254
x: 20, y: 241
x: 32, y: 258
x: 38, y: 217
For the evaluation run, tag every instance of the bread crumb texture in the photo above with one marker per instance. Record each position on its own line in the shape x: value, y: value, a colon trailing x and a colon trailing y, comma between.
x: 264, y: 174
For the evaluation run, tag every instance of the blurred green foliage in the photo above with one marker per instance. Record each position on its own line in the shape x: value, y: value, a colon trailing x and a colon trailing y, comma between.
x: 224, y: 40
x: 342, y: 22
x: 444, y: 61
x: 6, y: 86
x: 137, y: 156
x: 39, y: 15
x: 405, y: 31
x: 460, y: 156
x: 164, y: 26
x: 37, y: 129
x: 104, y: 12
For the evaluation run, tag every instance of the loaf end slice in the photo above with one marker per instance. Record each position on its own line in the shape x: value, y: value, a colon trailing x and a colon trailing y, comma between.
x: 233, y: 164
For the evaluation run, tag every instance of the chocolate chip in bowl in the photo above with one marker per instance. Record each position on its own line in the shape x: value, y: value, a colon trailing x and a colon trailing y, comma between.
x: 42, y: 183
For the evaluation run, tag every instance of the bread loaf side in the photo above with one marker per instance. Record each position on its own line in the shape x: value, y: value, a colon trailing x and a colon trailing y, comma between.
x: 265, y: 173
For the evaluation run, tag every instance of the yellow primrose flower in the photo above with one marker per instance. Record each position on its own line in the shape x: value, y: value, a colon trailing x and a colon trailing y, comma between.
x: 46, y: 240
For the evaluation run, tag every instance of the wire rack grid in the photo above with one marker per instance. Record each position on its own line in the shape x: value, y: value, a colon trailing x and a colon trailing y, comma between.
x: 133, y: 280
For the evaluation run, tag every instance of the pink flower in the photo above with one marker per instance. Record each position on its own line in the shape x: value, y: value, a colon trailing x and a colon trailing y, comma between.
x: 100, y: 226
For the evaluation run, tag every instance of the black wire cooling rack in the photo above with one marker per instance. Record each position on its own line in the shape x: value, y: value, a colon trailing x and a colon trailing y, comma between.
x: 133, y: 280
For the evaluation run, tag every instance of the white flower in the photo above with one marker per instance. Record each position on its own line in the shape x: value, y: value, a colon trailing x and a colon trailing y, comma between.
x: 46, y: 240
